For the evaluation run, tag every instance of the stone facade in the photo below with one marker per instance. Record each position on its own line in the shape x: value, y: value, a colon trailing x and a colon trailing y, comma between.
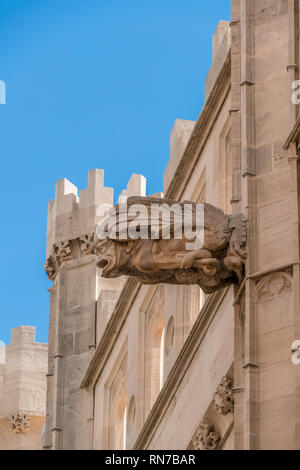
x: 23, y: 369
x: 165, y: 366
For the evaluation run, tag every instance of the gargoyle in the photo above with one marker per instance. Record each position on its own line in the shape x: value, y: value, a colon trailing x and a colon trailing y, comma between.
x: 218, y: 262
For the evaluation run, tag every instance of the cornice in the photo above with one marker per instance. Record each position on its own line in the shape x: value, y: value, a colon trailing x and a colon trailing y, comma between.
x: 111, y: 333
x: 201, y: 131
x: 180, y: 368
x: 68, y: 250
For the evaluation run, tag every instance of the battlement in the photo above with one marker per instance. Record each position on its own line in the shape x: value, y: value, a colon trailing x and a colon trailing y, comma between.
x: 136, y: 187
x: 179, y: 137
x: 23, y: 366
x: 220, y: 50
x: 71, y: 215
x: 23, y: 335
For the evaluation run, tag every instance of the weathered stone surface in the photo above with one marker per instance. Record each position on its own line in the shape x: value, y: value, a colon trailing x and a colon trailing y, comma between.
x: 218, y: 263
x: 221, y: 47
x: 206, y: 438
x: 23, y: 390
x: 179, y: 137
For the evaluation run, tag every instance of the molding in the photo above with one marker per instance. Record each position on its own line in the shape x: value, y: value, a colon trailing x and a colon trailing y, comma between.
x: 293, y: 158
x: 111, y: 333
x: 249, y: 365
x: 201, y: 131
x: 259, y: 274
x: 234, y: 110
x: 247, y: 83
x: 179, y: 369
x: 294, y: 134
x: 226, y: 435
x: 248, y: 173
x: 291, y: 67
x: 68, y: 250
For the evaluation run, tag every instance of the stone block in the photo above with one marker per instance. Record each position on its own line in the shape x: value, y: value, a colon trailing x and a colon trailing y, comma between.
x: 179, y: 137
x: 221, y: 47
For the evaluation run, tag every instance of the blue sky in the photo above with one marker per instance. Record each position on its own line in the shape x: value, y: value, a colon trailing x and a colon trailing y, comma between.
x: 90, y: 84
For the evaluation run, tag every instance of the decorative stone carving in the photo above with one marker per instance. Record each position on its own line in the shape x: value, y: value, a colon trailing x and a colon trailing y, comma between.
x: 51, y: 267
x: 223, y: 398
x: 64, y: 251
x: 205, y: 438
x: 87, y: 244
x: 273, y: 285
x: 19, y: 422
x: 60, y: 252
x: 218, y: 263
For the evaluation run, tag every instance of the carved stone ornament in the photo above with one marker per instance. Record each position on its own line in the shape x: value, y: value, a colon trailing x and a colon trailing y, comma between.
x: 60, y: 252
x: 273, y: 285
x: 66, y: 250
x: 19, y: 422
x: 87, y: 244
x: 156, y: 259
x: 205, y: 438
x: 223, y: 397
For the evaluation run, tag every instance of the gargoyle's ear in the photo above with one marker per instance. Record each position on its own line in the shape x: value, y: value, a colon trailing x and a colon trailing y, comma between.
x: 129, y: 247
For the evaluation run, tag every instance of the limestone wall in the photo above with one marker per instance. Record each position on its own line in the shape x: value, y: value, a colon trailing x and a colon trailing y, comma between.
x: 23, y: 389
x: 81, y: 303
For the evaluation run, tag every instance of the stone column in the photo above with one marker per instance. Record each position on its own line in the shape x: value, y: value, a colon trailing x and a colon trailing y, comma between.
x: 78, y: 312
x: 262, y: 117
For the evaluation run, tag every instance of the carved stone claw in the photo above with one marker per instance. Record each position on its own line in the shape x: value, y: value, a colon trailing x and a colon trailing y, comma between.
x: 209, y: 266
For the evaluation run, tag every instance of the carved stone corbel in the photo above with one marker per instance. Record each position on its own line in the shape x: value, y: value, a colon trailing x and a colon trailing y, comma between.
x: 223, y: 397
x: 205, y: 438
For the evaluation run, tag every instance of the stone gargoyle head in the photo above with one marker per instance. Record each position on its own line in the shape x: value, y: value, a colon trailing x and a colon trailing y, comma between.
x: 156, y: 258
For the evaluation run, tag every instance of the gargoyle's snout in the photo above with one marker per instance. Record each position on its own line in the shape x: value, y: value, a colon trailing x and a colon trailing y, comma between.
x: 102, y: 263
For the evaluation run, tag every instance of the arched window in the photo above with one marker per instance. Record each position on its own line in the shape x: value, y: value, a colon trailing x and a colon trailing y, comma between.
x: 228, y: 172
x: 118, y: 400
x: 225, y: 170
x: 154, y: 353
x: 118, y: 423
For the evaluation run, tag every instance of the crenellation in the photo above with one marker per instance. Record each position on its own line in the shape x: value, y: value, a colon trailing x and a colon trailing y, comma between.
x: 72, y: 217
x: 179, y: 137
x: 123, y: 196
x: 23, y: 335
x: 220, y: 50
x: 66, y: 196
x: 136, y: 186
x: 23, y: 390
x: 96, y: 192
